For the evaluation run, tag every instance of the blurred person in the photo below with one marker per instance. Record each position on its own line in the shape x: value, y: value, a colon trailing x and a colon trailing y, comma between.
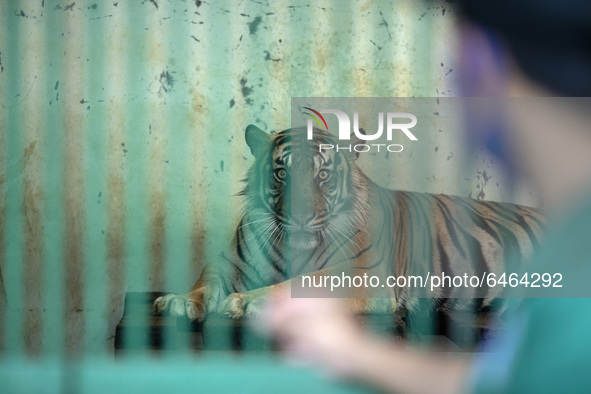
x: 514, y: 48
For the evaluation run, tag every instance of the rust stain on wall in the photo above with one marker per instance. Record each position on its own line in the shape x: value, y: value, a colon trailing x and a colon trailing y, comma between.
x: 33, y: 250
x: 198, y: 190
x: 114, y: 196
x: 157, y: 240
x: 33, y: 197
x: 116, y: 221
x: 198, y: 103
x: 74, y: 123
x: 74, y: 254
x: 155, y: 174
x: 115, y: 192
x: 157, y: 206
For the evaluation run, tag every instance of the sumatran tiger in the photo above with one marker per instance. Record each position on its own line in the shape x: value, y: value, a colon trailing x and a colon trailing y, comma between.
x: 313, y: 211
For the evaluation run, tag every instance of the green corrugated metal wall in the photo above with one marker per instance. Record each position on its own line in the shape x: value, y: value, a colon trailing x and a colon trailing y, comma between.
x: 122, y: 136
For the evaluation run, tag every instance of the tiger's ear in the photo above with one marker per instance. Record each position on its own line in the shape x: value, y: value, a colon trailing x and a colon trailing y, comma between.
x: 257, y: 140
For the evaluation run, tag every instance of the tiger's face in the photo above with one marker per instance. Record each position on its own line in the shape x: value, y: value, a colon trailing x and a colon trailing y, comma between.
x: 298, y: 193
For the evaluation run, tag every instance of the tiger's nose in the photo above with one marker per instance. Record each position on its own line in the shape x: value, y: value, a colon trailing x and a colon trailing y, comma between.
x: 301, y: 218
x: 302, y: 208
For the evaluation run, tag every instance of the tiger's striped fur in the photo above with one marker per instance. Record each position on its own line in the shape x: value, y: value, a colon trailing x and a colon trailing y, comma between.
x: 312, y: 211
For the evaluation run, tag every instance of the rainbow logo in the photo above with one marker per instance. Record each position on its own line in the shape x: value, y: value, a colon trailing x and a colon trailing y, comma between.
x: 315, y: 118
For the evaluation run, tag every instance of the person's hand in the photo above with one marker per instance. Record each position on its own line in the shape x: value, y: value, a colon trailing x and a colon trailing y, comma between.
x: 316, y: 331
x: 321, y: 331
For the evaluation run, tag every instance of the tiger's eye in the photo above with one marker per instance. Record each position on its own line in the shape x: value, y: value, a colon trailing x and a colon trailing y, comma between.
x: 281, y: 173
x: 324, y: 175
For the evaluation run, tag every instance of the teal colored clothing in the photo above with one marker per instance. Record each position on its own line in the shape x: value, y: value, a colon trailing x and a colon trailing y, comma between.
x: 545, y: 346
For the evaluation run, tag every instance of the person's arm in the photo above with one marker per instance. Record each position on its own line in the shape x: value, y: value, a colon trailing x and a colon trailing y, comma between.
x: 322, y: 332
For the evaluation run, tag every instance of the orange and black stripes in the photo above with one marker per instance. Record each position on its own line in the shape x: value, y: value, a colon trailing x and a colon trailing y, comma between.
x: 309, y: 210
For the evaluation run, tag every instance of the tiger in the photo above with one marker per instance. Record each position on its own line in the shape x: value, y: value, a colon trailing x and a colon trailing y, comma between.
x: 313, y: 211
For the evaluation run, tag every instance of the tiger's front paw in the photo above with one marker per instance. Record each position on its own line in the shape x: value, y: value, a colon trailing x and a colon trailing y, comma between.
x: 179, y: 306
x: 248, y: 304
